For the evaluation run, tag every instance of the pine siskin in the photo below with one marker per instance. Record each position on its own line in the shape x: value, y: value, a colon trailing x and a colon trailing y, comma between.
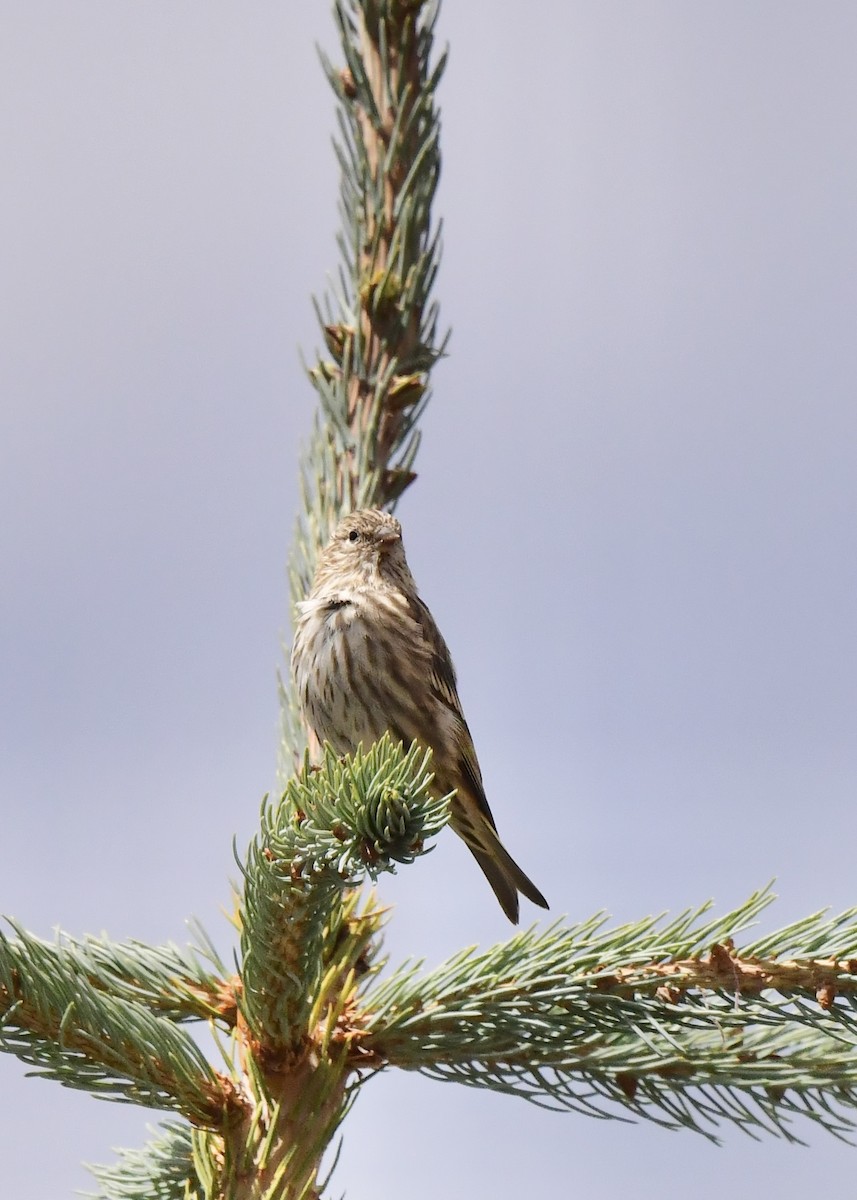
x: 368, y: 658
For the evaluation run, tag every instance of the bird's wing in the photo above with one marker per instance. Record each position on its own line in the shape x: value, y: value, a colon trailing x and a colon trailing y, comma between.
x: 443, y: 681
x: 444, y: 687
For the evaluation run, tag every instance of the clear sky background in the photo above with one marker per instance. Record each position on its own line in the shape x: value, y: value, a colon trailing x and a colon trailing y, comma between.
x: 634, y: 522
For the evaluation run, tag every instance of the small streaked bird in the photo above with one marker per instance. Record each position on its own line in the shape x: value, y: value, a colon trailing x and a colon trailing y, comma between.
x: 368, y: 658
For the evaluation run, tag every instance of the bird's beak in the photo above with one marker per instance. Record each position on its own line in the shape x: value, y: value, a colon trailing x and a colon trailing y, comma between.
x: 388, y: 539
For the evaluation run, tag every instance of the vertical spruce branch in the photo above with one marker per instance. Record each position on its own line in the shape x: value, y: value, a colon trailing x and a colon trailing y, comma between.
x: 380, y: 332
x: 380, y: 325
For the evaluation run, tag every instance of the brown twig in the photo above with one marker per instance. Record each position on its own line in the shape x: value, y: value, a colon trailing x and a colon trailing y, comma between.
x: 725, y: 970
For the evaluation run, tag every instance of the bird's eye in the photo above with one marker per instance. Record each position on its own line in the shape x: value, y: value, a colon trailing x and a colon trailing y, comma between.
x: 354, y: 536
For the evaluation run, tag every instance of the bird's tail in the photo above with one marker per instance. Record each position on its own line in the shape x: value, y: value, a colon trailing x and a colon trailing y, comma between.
x: 502, y: 872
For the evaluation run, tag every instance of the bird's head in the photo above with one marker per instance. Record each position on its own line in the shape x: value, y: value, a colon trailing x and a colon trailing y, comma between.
x: 366, y: 548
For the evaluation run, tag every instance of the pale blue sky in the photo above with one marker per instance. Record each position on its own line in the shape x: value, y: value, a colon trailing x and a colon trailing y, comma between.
x: 635, y: 517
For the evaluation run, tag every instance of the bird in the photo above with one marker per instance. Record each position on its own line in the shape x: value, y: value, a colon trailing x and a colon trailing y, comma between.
x: 368, y: 659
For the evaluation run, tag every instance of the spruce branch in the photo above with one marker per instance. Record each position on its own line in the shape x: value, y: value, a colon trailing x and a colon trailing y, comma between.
x: 270, y: 1148
x: 161, y: 1170
x: 298, y: 1096
x: 331, y: 826
x: 663, y: 1019
x: 182, y: 983
x: 380, y: 326
x: 52, y: 1017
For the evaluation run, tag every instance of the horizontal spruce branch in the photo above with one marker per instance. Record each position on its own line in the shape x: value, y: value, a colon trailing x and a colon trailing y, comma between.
x: 84, y: 1037
x: 661, y: 1019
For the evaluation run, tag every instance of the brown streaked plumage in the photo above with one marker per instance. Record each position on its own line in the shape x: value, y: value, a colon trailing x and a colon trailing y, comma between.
x: 368, y: 658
